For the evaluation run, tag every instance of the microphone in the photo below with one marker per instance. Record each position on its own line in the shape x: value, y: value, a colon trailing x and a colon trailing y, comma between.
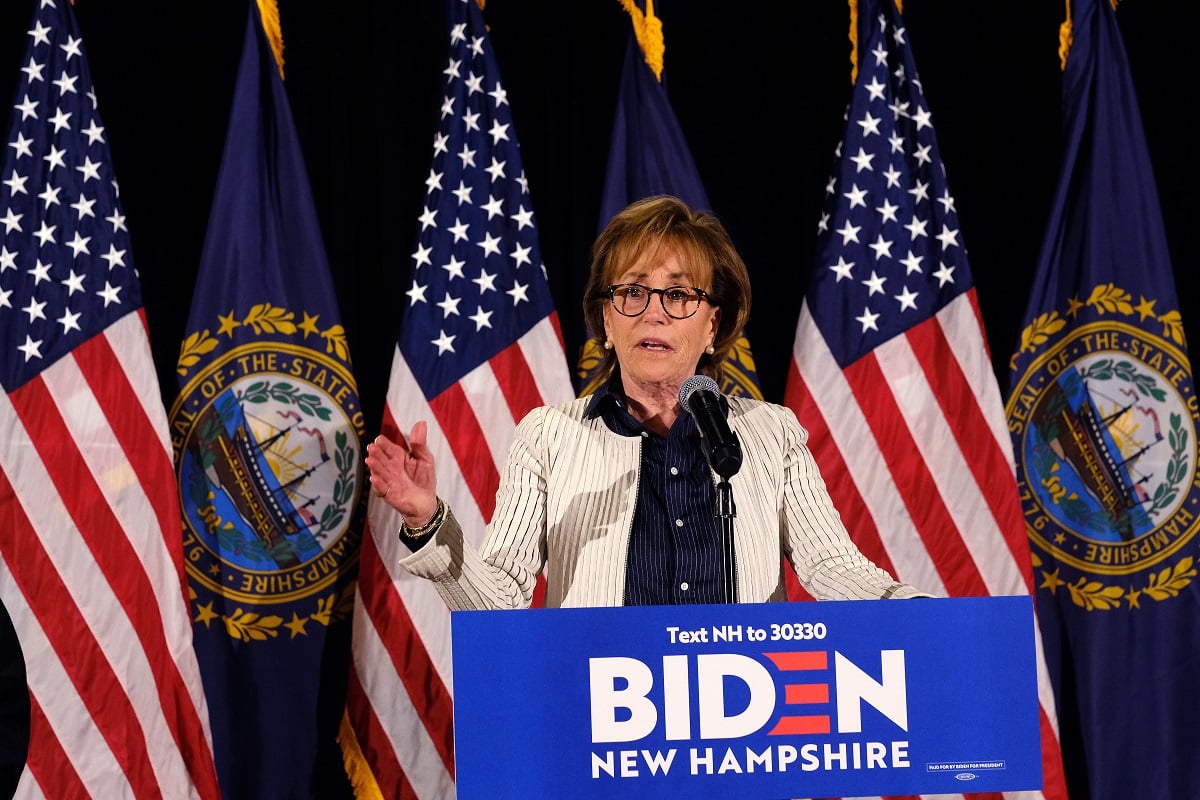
x: 700, y: 397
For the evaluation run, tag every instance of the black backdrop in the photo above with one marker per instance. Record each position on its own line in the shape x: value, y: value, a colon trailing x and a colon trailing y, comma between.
x: 759, y: 90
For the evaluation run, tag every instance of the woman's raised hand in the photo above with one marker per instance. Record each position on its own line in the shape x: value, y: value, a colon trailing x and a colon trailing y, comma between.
x: 402, y: 473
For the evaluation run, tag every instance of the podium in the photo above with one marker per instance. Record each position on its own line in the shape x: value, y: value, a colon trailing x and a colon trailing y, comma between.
x: 774, y: 700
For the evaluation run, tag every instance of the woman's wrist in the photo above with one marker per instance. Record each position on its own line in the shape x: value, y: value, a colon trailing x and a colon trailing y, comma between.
x: 432, y: 522
x: 421, y: 522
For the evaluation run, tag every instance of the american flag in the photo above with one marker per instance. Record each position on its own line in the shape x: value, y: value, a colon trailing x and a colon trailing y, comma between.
x: 891, y: 372
x: 91, y: 565
x: 480, y: 346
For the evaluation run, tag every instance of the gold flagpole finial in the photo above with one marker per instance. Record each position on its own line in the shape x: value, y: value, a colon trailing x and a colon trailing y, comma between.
x: 268, y: 10
x: 647, y: 28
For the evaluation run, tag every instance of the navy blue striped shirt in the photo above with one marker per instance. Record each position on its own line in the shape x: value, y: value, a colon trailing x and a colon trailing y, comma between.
x: 674, y: 551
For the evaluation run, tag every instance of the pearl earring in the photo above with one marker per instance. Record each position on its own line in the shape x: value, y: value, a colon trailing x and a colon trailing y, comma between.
x: 608, y: 345
x: 710, y: 350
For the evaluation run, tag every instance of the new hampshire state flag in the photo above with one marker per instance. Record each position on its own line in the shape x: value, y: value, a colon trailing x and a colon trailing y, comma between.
x: 1103, y: 414
x: 267, y: 434
x: 648, y: 155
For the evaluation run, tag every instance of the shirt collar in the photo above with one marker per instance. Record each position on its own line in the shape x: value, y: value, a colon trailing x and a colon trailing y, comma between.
x: 609, y: 396
x: 610, y: 399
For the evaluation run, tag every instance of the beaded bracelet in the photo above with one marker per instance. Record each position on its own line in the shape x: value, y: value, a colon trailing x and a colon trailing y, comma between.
x: 417, y: 533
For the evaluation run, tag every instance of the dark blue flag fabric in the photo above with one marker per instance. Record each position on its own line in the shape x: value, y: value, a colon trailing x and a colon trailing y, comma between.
x: 267, y: 431
x: 1103, y: 413
x: 648, y: 155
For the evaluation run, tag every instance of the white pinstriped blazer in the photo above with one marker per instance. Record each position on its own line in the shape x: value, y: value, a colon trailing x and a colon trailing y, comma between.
x: 566, y: 502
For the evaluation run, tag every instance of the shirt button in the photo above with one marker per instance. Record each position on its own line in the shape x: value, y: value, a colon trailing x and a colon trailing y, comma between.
x: 674, y: 470
x: 684, y: 586
x: 678, y: 523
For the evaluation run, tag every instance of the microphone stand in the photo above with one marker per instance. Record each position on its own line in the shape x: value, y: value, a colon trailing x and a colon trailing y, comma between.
x: 725, y: 513
x: 701, y: 397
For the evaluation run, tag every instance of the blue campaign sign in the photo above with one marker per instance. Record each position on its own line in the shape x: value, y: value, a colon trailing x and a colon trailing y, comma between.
x: 775, y: 700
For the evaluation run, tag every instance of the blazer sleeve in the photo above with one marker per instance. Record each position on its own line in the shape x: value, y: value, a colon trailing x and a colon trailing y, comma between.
x: 503, y: 572
x: 827, y: 562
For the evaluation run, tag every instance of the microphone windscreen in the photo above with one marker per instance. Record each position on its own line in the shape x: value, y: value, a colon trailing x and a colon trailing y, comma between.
x: 694, y: 384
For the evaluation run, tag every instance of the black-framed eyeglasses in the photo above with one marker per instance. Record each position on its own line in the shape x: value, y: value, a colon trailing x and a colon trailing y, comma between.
x: 680, y: 302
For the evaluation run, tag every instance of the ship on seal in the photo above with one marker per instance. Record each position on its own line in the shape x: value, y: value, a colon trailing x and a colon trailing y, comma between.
x: 235, y: 462
x: 1083, y: 438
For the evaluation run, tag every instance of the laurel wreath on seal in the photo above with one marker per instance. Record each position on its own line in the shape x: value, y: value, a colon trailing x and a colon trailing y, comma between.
x: 264, y: 318
x: 1178, y: 438
x: 1107, y: 298
x: 1093, y: 595
x: 250, y: 626
x: 343, y: 454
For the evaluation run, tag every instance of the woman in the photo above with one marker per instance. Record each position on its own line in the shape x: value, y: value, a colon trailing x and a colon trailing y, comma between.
x: 610, y: 494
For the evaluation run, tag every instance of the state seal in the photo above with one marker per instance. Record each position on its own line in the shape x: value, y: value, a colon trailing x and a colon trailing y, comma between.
x: 267, y: 439
x: 1104, y: 420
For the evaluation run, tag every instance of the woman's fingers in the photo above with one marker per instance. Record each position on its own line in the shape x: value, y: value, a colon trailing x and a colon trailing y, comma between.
x: 417, y: 441
x: 402, y: 473
x: 381, y: 463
